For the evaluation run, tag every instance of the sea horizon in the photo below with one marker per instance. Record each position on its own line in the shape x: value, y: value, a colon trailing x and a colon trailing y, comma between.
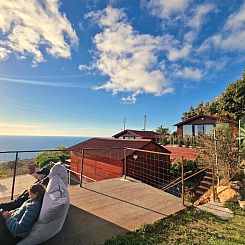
x: 30, y: 143
x: 74, y: 136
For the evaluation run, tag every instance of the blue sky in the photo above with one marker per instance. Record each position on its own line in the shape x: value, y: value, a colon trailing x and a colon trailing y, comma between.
x: 79, y: 67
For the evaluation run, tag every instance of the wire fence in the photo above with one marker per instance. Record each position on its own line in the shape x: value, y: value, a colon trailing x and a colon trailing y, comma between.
x: 91, y: 165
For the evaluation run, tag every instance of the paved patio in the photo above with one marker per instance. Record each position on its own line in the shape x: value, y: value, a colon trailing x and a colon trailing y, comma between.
x: 103, y: 209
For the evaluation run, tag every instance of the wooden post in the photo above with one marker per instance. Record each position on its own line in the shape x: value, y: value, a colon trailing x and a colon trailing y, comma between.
x: 69, y: 176
x: 81, y: 176
x: 182, y: 177
x: 125, y: 163
x: 213, y: 181
x: 15, y: 166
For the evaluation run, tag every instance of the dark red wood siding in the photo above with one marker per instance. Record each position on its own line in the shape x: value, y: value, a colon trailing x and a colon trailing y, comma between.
x: 149, y: 168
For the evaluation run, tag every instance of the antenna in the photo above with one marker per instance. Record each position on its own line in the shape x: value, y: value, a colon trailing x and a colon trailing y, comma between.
x: 124, y: 122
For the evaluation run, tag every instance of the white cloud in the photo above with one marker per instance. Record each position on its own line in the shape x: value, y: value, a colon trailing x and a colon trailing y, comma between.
x: 189, y: 73
x: 131, y: 99
x: 3, y: 53
x: 83, y: 67
x: 199, y: 14
x: 231, y: 37
x: 196, y: 20
x: 165, y: 8
x: 27, y: 26
x: 42, y: 83
x: 190, y: 17
x: 216, y: 65
x: 128, y: 58
x: 175, y: 54
x: 236, y: 21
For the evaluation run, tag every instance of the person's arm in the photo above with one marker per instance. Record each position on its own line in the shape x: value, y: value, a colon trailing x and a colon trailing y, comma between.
x: 25, y: 223
x: 45, y: 181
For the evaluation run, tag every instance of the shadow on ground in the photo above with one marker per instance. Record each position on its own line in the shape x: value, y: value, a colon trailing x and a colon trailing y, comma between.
x: 83, y: 228
x: 3, y: 188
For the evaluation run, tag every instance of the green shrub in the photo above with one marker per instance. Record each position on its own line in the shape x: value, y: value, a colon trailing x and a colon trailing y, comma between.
x: 239, y: 176
x: 43, y: 159
x: 189, y: 165
x: 187, y: 142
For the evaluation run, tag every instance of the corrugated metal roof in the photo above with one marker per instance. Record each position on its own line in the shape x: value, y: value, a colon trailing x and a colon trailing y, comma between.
x: 139, y: 133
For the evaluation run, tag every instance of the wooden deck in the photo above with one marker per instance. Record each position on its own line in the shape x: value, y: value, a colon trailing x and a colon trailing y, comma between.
x: 102, y: 209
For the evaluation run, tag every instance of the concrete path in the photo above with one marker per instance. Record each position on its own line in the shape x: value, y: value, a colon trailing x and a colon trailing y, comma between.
x: 105, y: 208
x: 22, y: 182
x: 217, y: 209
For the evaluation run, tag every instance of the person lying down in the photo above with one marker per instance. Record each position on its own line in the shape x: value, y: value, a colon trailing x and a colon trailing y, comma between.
x: 16, y: 225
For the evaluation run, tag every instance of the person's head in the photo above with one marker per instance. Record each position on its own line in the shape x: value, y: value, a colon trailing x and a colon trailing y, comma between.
x: 43, y: 173
x: 36, y: 192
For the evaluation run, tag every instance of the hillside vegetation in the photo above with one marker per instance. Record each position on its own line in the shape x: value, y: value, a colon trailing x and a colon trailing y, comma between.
x: 230, y: 104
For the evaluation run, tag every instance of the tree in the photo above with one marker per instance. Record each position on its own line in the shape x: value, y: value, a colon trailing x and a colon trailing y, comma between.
x: 162, y: 130
x: 225, y: 147
x: 230, y: 104
x: 191, y: 113
x: 43, y: 159
x: 243, y: 137
x: 164, y: 133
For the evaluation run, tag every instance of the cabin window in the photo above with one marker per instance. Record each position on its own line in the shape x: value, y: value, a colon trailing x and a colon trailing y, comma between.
x: 187, y: 130
x: 199, y: 129
x: 208, y: 129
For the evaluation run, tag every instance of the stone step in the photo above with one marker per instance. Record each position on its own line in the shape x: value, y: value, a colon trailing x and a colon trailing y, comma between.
x: 202, y: 188
x: 217, y: 209
x: 199, y: 193
x: 207, y: 178
x: 208, y: 174
x: 205, y: 183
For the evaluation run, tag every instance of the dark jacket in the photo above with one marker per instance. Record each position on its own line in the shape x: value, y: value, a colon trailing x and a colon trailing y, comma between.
x: 22, y: 221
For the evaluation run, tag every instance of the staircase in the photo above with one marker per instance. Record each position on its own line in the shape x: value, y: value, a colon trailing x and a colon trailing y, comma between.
x: 205, y: 183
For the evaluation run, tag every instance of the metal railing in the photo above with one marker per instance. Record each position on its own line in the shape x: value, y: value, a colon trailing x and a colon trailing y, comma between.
x: 150, y: 167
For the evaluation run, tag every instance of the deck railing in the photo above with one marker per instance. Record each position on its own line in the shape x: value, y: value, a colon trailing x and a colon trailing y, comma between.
x: 150, y: 167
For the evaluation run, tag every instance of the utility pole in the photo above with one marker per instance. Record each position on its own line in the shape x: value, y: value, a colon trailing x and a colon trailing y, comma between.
x: 145, y: 123
x: 124, y: 122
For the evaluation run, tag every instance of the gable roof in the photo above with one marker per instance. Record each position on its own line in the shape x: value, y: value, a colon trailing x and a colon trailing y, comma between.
x: 113, y: 148
x: 200, y: 116
x: 106, y: 143
x: 137, y: 133
x: 179, y: 152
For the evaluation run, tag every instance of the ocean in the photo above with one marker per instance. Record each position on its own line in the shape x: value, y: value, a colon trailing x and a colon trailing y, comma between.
x: 25, y: 143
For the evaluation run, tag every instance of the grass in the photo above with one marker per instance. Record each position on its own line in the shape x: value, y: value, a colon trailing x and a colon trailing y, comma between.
x: 189, y: 227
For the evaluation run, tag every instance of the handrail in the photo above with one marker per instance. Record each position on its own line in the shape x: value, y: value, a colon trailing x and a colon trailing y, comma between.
x: 54, y: 150
x: 185, y: 179
x: 79, y: 174
x: 160, y: 153
x: 166, y: 186
x: 23, y: 151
